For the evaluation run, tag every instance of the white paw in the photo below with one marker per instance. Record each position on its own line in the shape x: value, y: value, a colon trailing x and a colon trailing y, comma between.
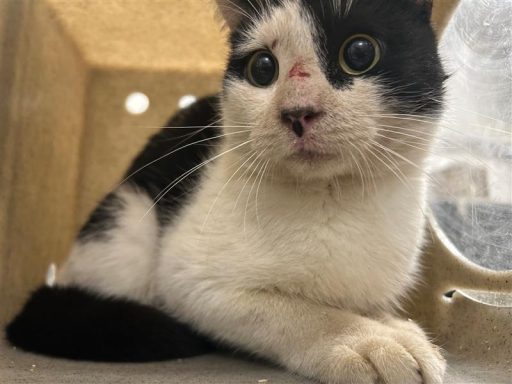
x: 384, y: 354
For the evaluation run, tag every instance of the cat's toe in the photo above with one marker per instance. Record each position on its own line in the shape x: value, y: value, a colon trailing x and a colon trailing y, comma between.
x: 393, y: 363
x: 430, y: 360
x: 348, y: 366
x: 413, y: 338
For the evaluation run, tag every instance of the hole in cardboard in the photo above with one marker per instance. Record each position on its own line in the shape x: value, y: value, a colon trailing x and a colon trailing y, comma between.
x: 51, y: 275
x: 186, y: 101
x: 136, y: 103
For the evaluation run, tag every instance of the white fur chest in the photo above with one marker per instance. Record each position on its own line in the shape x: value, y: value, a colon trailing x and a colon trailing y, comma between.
x: 332, y: 247
x: 342, y: 250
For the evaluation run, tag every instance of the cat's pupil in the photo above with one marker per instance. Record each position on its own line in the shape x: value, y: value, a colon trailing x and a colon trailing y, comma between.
x: 262, y: 69
x: 360, y: 54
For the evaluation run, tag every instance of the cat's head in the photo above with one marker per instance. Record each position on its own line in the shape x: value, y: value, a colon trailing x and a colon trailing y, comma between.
x: 331, y: 87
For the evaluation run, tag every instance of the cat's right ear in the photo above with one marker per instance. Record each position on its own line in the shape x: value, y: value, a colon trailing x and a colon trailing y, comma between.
x: 233, y: 12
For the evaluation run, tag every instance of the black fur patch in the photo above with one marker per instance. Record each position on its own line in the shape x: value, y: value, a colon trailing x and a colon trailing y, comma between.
x: 102, y: 219
x: 155, y: 177
x: 74, y: 324
x: 159, y: 175
x: 410, y: 68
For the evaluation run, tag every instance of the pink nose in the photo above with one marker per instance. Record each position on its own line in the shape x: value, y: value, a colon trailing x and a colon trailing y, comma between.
x: 299, y: 120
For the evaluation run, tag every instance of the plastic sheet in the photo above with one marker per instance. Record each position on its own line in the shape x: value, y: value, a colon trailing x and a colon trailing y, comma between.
x: 472, y: 170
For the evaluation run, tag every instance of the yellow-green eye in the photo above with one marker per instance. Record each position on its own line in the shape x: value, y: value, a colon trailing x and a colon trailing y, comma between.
x: 262, y: 69
x: 359, y: 54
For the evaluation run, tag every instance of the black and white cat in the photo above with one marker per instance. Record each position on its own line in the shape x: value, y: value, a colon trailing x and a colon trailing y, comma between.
x: 285, y: 221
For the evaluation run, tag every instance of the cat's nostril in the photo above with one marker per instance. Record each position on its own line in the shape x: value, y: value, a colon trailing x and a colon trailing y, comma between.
x: 309, y: 117
x: 304, y: 115
x: 298, y: 128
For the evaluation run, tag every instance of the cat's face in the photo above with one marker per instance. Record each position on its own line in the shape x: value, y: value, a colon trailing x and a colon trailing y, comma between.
x: 331, y: 87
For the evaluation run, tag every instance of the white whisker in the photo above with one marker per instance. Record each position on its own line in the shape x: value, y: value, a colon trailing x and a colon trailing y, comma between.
x: 247, y: 181
x: 176, y: 150
x: 261, y: 162
x: 359, y: 169
x: 251, y: 155
x: 258, y: 191
x: 393, y: 168
x: 188, y: 173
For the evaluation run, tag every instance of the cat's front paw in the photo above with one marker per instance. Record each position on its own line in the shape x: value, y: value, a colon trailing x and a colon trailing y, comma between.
x: 429, y: 357
x: 384, y: 354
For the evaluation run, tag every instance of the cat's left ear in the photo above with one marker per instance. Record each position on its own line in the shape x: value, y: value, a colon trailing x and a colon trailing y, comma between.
x: 437, y: 12
x: 233, y: 11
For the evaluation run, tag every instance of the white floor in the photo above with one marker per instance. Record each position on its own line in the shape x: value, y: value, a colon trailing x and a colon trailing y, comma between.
x: 17, y: 367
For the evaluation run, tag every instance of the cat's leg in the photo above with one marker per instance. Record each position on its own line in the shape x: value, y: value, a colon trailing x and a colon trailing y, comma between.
x: 115, y: 252
x: 321, y: 342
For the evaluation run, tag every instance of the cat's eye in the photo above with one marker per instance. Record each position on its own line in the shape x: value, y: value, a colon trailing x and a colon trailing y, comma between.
x: 262, y: 69
x: 359, y: 54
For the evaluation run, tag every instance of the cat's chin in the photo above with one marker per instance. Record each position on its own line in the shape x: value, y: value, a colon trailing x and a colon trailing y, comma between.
x: 315, y: 166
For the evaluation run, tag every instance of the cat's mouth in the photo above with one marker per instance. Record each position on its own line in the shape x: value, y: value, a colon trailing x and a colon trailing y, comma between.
x: 310, y: 149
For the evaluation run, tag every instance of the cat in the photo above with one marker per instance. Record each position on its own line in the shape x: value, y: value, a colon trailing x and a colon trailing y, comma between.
x: 282, y: 217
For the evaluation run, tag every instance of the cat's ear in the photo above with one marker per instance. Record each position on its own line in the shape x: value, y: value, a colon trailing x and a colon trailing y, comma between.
x: 437, y: 12
x: 233, y: 11
x: 425, y: 7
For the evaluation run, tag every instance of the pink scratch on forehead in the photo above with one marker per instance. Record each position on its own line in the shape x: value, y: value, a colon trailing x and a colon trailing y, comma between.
x: 298, y: 70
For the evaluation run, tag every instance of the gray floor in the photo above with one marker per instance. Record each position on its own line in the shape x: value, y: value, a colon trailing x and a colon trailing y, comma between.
x: 17, y: 367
